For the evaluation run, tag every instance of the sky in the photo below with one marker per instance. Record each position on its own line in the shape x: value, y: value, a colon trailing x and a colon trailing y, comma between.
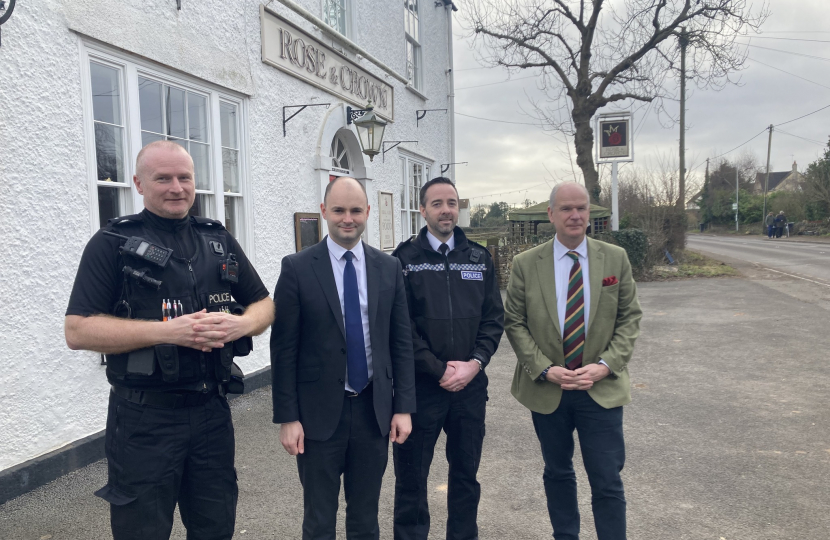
x: 514, y: 162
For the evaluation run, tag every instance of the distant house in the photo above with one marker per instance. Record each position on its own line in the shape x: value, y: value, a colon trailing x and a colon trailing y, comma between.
x: 464, y: 212
x: 779, y: 181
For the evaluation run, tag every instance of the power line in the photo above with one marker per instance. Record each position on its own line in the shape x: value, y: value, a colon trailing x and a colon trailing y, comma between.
x: 785, y: 39
x: 740, y: 145
x: 803, y: 116
x: 788, y: 73
x: 788, y: 52
x: 796, y: 32
x: 499, y: 82
x: 507, y: 192
x: 499, y: 121
x: 802, y: 138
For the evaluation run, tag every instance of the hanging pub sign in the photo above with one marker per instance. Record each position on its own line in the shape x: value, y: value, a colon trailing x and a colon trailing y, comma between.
x: 296, y: 52
x: 614, y: 139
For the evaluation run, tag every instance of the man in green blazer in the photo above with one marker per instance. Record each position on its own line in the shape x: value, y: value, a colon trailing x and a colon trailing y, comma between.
x: 572, y: 316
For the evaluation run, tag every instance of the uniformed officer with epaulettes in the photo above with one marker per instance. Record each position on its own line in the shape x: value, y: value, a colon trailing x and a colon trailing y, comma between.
x: 170, y: 324
x: 457, y: 322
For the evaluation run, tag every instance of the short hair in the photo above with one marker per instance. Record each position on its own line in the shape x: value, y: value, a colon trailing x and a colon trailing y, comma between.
x: 170, y: 145
x: 556, y: 188
x: 422, y: 195
x: 337, y: 179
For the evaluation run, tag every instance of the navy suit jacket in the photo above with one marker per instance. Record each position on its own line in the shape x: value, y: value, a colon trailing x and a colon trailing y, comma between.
x: 308, y: 342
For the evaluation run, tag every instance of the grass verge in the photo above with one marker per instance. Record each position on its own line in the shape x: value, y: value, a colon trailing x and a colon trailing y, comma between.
x: 691, y: 264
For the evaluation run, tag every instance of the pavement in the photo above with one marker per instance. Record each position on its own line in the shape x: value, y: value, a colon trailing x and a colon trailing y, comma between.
x: 727, y: 436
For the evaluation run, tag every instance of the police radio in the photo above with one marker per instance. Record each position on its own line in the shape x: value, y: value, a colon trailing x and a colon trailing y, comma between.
x: 142, y: 249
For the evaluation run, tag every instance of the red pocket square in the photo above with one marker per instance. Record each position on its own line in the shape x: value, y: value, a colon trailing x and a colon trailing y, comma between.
x: 610, y: 280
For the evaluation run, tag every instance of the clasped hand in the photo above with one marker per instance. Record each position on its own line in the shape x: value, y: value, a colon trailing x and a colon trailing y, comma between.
x: 458, y: 375
x: 205, y: 331
x: 578, y: 379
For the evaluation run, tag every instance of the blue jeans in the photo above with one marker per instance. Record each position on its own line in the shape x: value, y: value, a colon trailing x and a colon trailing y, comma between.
x: 770, y: 230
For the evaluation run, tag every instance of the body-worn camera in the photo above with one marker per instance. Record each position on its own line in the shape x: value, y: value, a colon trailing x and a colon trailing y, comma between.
x: 229, y: 269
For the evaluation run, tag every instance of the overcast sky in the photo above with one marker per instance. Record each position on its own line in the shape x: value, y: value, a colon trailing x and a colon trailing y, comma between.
x: 507, y: 157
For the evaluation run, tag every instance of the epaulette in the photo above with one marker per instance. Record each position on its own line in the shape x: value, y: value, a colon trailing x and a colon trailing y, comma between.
x: 403, y: 245
x: 212, y: 223
x: 119, y: 220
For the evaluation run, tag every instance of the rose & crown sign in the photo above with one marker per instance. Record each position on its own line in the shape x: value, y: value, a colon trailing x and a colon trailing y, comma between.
x: 294, y: 51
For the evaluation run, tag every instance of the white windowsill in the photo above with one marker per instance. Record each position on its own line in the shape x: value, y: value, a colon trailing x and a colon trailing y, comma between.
x: 416, y: 92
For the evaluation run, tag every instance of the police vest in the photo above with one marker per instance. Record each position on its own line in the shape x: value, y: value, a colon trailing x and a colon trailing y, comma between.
x: 196, y: 284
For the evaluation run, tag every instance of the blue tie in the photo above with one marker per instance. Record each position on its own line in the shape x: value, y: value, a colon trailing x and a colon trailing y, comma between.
x: 355, y: 345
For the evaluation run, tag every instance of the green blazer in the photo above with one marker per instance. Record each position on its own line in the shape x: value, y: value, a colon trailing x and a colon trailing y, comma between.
x: 531, y: 323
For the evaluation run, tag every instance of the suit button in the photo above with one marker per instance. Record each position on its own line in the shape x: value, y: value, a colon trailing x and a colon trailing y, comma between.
x: 343, y: 351
x: 341, y: 381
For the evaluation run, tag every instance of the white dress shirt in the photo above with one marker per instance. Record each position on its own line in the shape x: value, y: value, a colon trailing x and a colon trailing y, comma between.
x: 338, y: 266
x: 436, y: 243
x: 562, y: 266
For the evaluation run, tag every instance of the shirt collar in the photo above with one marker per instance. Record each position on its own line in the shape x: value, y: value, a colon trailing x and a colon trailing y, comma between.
x: 338, y: 251
x: 436, y: 243
x: 560, y: 251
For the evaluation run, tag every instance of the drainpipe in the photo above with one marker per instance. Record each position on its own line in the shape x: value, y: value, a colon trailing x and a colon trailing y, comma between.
x: 451, y: 88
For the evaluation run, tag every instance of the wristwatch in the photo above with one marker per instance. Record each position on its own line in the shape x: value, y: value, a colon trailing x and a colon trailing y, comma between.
x: 544, y: 375
x: 480, y: 363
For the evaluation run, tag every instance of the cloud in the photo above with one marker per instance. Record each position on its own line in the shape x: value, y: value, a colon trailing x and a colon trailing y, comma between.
x: 507, y: 157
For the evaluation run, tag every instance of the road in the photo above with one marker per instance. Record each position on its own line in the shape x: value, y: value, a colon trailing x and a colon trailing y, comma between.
x: 727, y: 436
x: 797, y: 259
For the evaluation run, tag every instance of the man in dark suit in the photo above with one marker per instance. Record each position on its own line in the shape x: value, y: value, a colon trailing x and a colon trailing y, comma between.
x: 342, y: 366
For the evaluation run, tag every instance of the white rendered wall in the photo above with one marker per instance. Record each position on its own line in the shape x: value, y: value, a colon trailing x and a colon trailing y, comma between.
x: 49, y: 395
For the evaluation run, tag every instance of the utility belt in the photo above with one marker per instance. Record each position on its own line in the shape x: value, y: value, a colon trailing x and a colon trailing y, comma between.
x: 167, y: 400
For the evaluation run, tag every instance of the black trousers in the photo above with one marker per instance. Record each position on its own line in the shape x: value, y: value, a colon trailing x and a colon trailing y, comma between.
x: 603, y: 454
x: 461, y: 416
x: 159, y: 457
x: 359, y: 453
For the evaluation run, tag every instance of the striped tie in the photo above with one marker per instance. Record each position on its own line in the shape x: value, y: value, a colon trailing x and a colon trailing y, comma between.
x: 574, y: 316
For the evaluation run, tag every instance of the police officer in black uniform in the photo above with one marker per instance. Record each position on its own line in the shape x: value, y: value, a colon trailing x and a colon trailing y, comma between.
x: 170, y: 324
x: 457, y: 322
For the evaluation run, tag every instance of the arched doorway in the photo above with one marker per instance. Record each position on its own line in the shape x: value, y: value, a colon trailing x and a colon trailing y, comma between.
x: 339, y: 154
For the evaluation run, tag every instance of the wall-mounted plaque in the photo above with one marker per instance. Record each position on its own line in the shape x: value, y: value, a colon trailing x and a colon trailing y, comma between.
x: 298, y: 53
x: 386, y: 214
x: 307, y: 230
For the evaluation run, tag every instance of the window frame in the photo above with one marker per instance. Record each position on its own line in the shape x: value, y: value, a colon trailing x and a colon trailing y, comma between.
x: 131, y: 68
x: 417, y: 81
x: 348, y: 20
x: 405, y: 194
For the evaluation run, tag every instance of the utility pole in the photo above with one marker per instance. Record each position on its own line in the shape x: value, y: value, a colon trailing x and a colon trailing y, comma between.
x: 766, y: 182
x: 737, y: 195
x: 681, y: 185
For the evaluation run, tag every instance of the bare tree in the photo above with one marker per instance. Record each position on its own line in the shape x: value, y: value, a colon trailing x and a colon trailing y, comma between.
x: 597, y: 53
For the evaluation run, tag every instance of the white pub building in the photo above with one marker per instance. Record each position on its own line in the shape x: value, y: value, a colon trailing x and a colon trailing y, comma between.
x: 258, y: 92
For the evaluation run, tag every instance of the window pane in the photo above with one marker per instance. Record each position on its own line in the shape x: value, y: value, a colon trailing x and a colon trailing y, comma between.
x: 109, y: 203
x: 403, y: 185
x: 227, y: 119
x: 106, y: 93
x: 201, y: 164
x: 176, y: 123
x: 410, y: 61
x: 147, y: 138
x: 413, y: 227
x: 230, y: 170
x: 233, y: 216
x: 197, y: 116
x: 149, y: 99
x: 334, y: 12
x: 202, y: 206
x: 416, y: 66
x: 109, y: 152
